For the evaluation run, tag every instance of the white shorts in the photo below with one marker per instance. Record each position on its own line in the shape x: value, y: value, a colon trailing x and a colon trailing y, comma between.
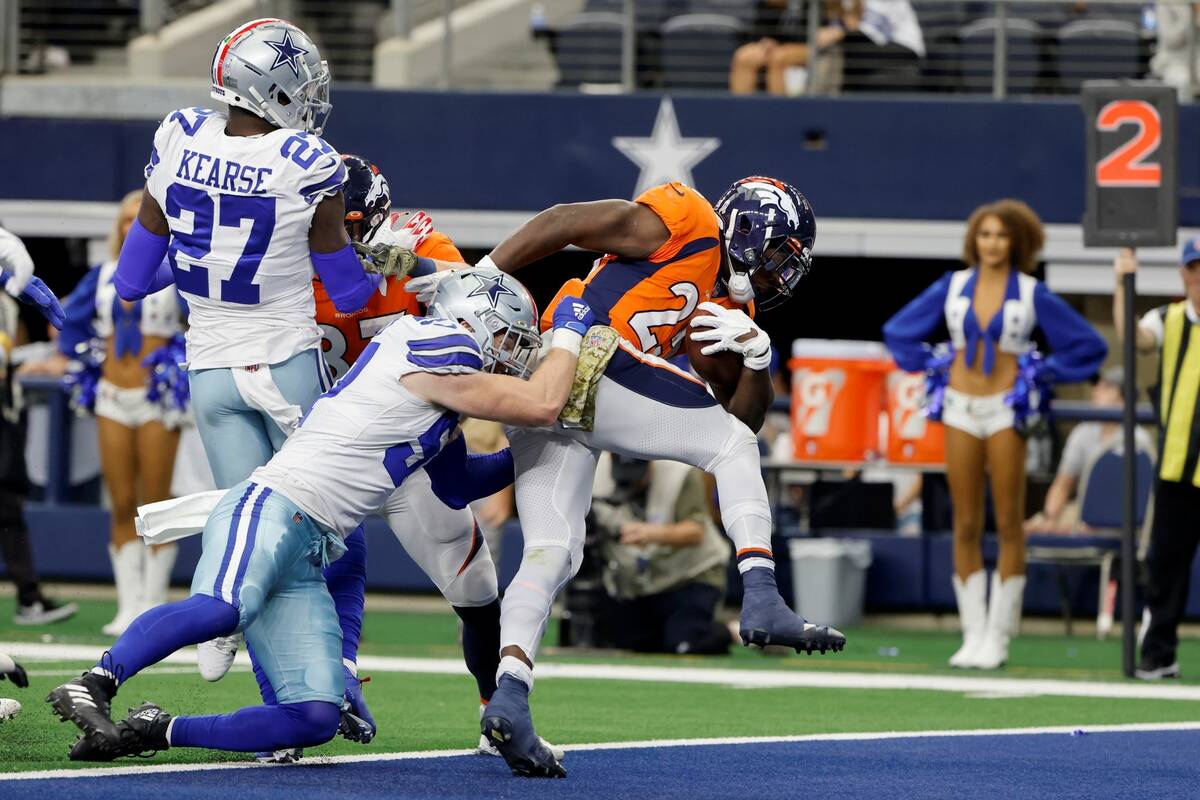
x: 979, y: 415
x: 128, y: 407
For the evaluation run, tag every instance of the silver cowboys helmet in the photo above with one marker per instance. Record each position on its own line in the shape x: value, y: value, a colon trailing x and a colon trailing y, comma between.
x: 272, y: 69
x: 499, y: 313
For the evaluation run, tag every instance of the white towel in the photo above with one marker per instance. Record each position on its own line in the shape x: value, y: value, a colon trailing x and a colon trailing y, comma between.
x: 177, y: 518
x: 259, y: 391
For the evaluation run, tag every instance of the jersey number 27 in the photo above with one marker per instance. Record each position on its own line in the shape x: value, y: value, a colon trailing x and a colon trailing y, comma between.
x: 228, y: 212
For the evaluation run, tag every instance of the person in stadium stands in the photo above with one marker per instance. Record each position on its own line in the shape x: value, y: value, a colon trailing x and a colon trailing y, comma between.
x: 664, y: 560
x: 1174, y: 331
x: 19, y: 284
x: 14, y: 672
x: 137, y: 445
x: 474, y: 354
x: 991, y: 310
x: 873, y: 34
x: 669, y: 254
x: 1085, y: 443
x: 244, y: 205
x: 1172, y: 58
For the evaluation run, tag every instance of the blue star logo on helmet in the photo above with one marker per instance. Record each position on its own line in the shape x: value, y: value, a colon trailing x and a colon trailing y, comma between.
x: 494, y: 288
x: 287, y: 53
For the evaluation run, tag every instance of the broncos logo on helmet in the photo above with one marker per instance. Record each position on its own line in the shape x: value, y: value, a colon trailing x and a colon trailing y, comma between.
x: 769, y: 232
x: 368, y: 197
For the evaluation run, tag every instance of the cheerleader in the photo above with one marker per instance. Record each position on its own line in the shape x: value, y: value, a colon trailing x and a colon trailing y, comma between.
x: 137, y: 447
x: 991, y: 310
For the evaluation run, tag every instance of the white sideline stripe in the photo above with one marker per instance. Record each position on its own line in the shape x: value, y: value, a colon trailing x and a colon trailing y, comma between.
x: 147, y: 769
x: 737, y: 678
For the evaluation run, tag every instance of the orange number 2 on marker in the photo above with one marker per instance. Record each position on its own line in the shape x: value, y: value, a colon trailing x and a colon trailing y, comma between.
x: 1126, y: 165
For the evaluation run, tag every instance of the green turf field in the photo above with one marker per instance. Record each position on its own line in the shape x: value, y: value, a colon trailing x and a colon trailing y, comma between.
x: 438, y: 711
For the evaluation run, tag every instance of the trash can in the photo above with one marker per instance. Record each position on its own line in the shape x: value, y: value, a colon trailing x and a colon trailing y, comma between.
x: 829, y: 579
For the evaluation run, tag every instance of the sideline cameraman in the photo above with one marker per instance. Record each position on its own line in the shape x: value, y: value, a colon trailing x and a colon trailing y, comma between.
x: 663, y: 558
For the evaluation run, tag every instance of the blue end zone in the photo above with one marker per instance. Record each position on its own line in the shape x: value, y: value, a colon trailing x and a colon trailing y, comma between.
x: 1156, y: 764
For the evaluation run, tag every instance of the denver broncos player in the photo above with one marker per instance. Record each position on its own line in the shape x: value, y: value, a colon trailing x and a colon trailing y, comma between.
x: 668, y: 253
x: 368, y: 210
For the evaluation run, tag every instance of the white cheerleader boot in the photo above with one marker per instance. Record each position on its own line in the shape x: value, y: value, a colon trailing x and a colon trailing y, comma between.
x: 127, y: 567
x: 971, y: 596
x: 1004, y: 618
x: 156, y: 576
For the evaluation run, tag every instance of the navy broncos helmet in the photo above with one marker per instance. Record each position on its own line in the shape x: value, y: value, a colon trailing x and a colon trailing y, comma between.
x: 368, y: 198
x: 769, y: 231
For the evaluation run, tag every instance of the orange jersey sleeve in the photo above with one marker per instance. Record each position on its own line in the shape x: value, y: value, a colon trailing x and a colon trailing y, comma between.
x: 649, y: 302
x: 438, y: 245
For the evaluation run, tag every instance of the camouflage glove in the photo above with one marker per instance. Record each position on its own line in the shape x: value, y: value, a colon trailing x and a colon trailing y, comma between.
x: 388, y: 260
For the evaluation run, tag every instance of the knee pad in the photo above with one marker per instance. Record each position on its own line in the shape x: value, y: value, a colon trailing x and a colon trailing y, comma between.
x: 312, y: 723
x: 476, y: 584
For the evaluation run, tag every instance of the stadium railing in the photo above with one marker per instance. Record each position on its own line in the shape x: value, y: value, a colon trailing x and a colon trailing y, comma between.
x: 1002, y: 48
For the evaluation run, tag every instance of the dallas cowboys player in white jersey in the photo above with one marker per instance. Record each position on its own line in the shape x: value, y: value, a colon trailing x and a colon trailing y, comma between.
x: 244, y: 206
x: 264, y: 545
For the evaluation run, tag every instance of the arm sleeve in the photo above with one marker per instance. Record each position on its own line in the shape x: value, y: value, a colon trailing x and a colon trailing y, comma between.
x: 459, y: 477
x: 906, y: 332
x: 138, y: 266
x: 14, y: 259
x: 1077, y: 350
x: 347, y: 285
x: 80, y: 309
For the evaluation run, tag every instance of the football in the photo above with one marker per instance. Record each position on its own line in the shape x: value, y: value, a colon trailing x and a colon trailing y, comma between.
x: 719, y: 369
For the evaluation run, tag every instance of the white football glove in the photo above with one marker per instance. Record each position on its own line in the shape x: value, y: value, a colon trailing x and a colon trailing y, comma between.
x: 15, y: 260
x: 425, y: 287
x: 724, y: 329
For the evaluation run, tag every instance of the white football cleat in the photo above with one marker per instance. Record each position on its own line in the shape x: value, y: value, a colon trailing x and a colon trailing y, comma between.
x: 216, y: 656
x: 8, y: 709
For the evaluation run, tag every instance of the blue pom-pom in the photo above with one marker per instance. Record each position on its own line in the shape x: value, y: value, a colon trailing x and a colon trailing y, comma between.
x: 83, y: 376
x: 167, y: 383
x: 937, y: 378
x: 1031, y: 393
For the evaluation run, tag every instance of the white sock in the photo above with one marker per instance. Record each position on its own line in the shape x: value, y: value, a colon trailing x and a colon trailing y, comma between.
x: 170, y: 727
x: 514, y: 666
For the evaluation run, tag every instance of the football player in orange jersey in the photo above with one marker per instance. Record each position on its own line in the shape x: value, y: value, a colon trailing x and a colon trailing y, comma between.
x: 668, y: 253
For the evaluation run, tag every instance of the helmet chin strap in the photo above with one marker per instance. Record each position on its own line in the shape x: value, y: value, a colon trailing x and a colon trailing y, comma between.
x: 740, y: 289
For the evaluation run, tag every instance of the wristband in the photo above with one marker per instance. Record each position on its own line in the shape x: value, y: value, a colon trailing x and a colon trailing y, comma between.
x: 566, y: 339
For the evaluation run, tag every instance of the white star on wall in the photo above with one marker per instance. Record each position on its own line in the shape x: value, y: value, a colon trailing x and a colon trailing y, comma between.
x: 665, y: 155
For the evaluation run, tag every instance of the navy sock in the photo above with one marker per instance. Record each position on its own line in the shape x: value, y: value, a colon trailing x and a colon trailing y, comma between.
x: 260, y: 728
x: 164, y: 629
x: 346, y: 580
x: 481, y: 644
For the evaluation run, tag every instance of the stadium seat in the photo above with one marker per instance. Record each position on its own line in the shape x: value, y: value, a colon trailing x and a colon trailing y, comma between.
x: 1095, y: 49
x: 1102, y: 511
x: 697, y: 49
x: 940, y: 23
x: 587, y: 47
x: 744, y: 11
x: 977, y: 41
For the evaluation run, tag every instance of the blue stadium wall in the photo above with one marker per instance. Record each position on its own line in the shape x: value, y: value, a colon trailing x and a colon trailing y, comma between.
x: 901, y: 159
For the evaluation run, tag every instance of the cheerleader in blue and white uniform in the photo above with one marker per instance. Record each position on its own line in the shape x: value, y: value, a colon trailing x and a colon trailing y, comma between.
x: 137, y: 446
x: 991, y: 311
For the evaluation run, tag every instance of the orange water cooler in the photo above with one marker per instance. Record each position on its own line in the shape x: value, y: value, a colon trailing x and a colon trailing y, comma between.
x: 911, y: 438
x: 837, y: 397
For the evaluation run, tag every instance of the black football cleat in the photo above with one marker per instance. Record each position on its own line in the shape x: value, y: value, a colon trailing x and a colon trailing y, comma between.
x: 766, y: 619
x: 87, y: 702
x: 143, y: 733
x: 507, y: 724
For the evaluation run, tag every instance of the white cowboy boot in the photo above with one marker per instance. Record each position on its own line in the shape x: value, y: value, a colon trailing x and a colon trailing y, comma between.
x: 127, y: 567
x: 1004, y: 618
x: 971, y: 596
x: 156, y: 580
